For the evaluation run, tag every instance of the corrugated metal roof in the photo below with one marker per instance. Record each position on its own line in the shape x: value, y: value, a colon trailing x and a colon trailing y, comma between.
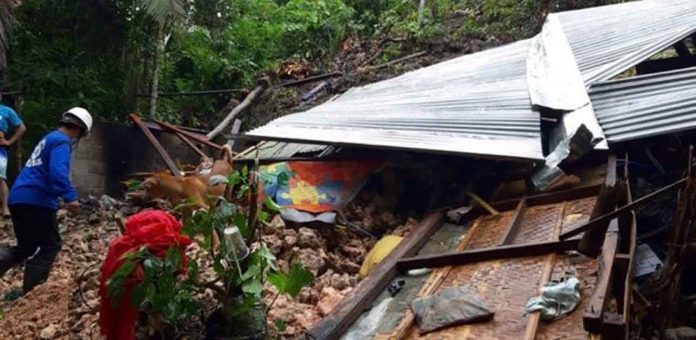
x: 281, y: 150
x: 480, y: 104
x: 608, y: 40
x: 476, y: 104
x: 646, y: 106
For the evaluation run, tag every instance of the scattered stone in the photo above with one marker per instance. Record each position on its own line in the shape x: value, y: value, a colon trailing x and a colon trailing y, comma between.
x: 331, y: 298
x: 49, y: 332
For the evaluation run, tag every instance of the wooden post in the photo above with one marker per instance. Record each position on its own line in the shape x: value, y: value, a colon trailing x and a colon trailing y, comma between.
x: 333, y: 325
x: 156, y: 144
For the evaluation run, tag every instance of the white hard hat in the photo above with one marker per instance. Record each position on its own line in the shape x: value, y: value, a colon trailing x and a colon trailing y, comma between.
x: 78, y: 116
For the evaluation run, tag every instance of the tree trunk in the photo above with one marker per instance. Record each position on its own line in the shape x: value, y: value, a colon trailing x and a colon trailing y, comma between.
x: 159, y: 50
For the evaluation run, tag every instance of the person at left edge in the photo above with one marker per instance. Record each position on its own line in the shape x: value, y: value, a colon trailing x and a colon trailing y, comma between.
x: 9, y: 120
x: 34, y: 200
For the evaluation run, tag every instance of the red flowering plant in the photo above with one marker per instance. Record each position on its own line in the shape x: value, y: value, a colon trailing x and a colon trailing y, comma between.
x: 163, y: 281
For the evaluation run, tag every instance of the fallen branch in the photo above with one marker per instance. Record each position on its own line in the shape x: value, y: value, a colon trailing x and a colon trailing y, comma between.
x: 311, y: 79
x: 396, y: 61
x: 261, y: 86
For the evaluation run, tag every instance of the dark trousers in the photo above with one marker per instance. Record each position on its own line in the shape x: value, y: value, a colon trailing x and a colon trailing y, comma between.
x: 36, y: 228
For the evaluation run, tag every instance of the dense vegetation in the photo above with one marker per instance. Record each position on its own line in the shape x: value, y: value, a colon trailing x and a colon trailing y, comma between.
x: 101, y: 54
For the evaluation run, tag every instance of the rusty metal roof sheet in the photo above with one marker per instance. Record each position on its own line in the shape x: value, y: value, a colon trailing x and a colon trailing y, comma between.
x: 476, y: 104
x: 645, y: 106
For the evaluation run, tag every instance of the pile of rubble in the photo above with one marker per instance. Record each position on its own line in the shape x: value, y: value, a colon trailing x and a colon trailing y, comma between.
x: 66, y: 306
x: 334, y: 254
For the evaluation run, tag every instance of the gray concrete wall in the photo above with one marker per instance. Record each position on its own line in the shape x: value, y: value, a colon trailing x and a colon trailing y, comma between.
x: 113, y: 150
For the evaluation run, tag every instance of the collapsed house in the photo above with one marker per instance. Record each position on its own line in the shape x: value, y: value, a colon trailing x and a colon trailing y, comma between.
x: 560, y: 122
x: 593, y: 85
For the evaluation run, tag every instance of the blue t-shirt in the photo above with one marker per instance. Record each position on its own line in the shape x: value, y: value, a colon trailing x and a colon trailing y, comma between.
x: 8, y: 119
x: 46, y: 175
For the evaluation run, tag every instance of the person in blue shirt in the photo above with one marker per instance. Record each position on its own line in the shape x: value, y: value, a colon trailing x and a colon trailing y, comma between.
x: 34, y: 197
x: 9, y: 120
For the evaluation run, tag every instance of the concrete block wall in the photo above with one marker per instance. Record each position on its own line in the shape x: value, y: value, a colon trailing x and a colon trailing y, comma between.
x: 113, y: 151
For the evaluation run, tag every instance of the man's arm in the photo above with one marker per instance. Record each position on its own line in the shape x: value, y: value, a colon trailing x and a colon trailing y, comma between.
x: 60, y: 173
x: 16, y: 135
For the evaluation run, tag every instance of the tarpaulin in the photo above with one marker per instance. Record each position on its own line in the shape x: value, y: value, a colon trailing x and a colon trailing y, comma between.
x: 158, y: 231
x: 315, y: 187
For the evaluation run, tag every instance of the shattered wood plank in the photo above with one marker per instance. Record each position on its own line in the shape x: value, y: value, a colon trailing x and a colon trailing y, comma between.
x: 333, y: 325
x: 622, y: 210
x: 515, y: 222
x: 594, y: 312
x: 551, y: 197
x: 487, y: 254
x: 434, y: 282
x: 155, y: 143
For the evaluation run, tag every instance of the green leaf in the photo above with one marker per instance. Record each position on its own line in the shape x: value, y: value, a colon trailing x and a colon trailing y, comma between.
x: 271, y: 205
x: 297, y: 278
x: 252, y: 287
x: 249, y: 302
x: 253, y: 271
x: 278, y: 280
x: 281, y: 325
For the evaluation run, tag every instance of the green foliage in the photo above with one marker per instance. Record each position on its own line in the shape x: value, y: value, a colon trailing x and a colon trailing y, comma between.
x: 292, y: 282
x: 166, y: 288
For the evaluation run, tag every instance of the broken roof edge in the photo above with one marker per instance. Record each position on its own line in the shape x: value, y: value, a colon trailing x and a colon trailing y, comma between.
x: 553, y: 76
x: 469, y: 146
x: 631, y: 60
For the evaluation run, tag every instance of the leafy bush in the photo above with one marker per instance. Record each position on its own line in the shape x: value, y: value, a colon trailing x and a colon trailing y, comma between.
x: 167, y: 287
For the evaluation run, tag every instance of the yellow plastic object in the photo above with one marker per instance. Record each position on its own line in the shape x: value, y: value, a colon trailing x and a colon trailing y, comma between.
x: 381, y: 249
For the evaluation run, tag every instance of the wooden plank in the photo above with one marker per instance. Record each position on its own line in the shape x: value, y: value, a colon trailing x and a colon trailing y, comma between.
x: 160, y: 150
x: 594, y: 311
x: 535, y: 317
x: 333, y: 325
x: 515, y: 222
x: 614, y: 327
x: 591, y: 243
x: 191, y: 145
x: 487, y: 254
x: 594, y: 223
x: 431, y: 286
x: 197, y: 138
x: 549, y: 198
x: 236, y: 126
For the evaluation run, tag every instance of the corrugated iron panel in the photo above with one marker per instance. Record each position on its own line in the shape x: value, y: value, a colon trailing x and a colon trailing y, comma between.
x: 645, y: 106
x: 476, y: 104
x: 610, y: 39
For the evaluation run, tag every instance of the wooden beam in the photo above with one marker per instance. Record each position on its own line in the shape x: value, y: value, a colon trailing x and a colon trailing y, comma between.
x: 549, y: 198
x: 591, y: 242
x: 160, y: 150
x: 535, y: 317
x: 550, y: 261
x: 622, y: 210
x: 487, y: 254
x: 191, y: 145
x: 333, y: 325
x: 514, y: 224
x: 236, y: 126
x: 197, y: 138
x: 594, y: 311
x: 436, y: 278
